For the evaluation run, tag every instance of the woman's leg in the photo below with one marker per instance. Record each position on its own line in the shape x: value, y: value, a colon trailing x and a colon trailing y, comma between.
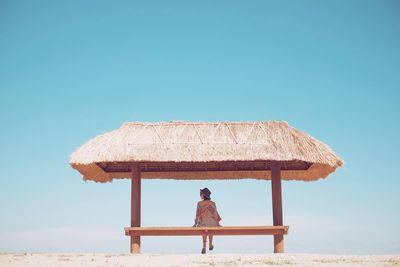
x: 210, y: 238
x: 204, y: 241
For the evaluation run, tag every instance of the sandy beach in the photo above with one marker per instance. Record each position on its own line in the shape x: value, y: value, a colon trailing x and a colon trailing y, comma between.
x: 176, y: 260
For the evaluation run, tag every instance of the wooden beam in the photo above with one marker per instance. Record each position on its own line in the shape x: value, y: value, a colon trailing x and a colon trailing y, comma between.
x: 277, y: 204
x: 193, y: 231
x: 135, y: 206
x: 169, y: 166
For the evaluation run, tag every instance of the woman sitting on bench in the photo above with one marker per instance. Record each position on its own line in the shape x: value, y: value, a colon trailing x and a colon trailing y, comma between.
x: 206, y: 215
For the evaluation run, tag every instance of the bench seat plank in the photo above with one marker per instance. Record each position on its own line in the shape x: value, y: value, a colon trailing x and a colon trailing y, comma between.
x: 215, y: 230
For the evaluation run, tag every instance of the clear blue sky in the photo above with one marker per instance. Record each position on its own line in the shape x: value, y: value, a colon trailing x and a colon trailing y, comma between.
x: 74, y: 69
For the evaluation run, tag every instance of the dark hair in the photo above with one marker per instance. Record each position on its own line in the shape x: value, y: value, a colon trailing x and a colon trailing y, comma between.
x: 206, y: 198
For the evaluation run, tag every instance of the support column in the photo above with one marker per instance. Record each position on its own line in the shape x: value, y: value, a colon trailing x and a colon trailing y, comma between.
x: 135, y: 206
x: 277, y: 204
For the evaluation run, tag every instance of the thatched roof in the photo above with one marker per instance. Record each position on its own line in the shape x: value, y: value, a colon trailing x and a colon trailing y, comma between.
x: 205, y: 150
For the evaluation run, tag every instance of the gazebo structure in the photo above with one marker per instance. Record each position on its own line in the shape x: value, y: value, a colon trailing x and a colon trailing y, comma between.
x: 269, y: 150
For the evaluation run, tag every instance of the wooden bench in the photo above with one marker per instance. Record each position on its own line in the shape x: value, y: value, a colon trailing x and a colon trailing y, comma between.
x: 215, y: 230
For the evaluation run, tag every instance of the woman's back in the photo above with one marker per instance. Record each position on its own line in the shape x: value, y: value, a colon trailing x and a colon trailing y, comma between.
x: 207, y: 214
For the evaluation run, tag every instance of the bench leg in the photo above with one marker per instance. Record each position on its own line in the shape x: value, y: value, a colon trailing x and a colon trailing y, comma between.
x: 278, y: 244
x: 135, y: 244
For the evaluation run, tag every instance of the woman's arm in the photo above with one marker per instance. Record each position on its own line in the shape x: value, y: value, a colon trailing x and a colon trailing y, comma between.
x: 216, y: 211
x: 198, y: 212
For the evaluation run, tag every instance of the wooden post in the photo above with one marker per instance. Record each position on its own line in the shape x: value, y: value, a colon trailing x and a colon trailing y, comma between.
x: 277, y: 204
x: 135, y: 206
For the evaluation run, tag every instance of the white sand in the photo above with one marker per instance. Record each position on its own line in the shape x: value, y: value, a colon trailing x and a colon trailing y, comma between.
x: 150, y: 260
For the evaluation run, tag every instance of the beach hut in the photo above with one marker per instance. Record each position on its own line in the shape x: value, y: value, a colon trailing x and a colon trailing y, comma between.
x: 268, y: 150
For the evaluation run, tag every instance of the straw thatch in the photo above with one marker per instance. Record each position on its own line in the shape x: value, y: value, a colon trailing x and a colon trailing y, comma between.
x: 205, y: 150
